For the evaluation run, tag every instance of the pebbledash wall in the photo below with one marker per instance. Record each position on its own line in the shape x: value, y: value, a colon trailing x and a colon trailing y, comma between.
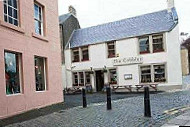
x: 24, y: 41
x: 130, y: 48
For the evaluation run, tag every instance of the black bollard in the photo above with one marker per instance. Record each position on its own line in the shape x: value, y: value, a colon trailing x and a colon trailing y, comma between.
x: 84, y: 98
x: 108, y: 90
x: 147, y: 109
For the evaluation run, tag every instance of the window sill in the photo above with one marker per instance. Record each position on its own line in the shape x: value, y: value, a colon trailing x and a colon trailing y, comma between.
x: 11, y: 95
x: 158, y: 51
x: 12, y: 27
x: 144, y: 53
x: 39, y: 37
x: 85, y: 60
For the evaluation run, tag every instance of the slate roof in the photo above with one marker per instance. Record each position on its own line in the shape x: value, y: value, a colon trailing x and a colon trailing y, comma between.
x: 64, y: 17
x: 156, y: 22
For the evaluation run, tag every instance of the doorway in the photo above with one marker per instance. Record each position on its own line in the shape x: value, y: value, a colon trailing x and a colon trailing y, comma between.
x: 99, y: 80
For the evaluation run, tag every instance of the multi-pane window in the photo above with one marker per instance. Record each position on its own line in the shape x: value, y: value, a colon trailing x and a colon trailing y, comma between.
x: 40, y: 73
x: 11, y: 12
x: 154, y: 72
x: 75, y: 78
x: 81, y: 78
x: 159, y: 73
x: 85, y: 55
x: 38, y: 18
x: 144, y: 45
x: 111, y: 49
x: 12, y: 73
x: 76, y: 55
x: 146, y: 74
x: 113, y: 76
x: 87, y: 78
x: 158, y: 43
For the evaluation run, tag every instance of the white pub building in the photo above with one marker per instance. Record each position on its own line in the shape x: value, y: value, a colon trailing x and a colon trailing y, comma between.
x: 138, y: 50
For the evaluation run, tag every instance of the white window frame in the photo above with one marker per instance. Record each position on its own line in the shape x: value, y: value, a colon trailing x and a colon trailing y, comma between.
x: 45, y: 73
x: 20, y: 72
x: 114, y: 43
x: 152, y: 72
x: 38, y: 20
x: 151, y: 43
x: 17, y: 9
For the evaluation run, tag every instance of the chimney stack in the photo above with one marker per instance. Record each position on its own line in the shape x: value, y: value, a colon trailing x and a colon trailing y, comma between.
x: 72, y: 10
x: 170, y: 4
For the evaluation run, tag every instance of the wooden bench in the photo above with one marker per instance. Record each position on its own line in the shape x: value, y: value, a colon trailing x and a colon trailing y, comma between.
x: 115, y: 87
x: 153, y: 86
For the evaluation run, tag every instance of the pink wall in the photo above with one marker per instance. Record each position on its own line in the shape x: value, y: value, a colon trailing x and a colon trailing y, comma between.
x: 22, y: 40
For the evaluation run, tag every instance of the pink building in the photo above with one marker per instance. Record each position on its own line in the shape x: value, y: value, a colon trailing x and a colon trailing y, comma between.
x: 30, y: 55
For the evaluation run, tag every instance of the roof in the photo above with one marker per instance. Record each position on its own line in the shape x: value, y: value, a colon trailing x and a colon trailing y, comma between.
x: 64, y: 17
x: 156, y: 22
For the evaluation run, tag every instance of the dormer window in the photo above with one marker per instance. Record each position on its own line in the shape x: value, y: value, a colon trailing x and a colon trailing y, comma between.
x: 111, y: 49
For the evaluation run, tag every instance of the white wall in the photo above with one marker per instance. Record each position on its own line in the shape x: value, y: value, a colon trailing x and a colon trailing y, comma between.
x: 130, y: 48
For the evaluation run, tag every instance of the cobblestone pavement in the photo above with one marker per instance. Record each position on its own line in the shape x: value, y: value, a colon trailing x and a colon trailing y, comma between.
x: 182, y: 120
x: 125, y: 112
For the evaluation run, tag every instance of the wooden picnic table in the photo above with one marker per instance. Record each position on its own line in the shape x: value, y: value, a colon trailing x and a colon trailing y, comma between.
x: 128, y: 87
x: 140, y: 86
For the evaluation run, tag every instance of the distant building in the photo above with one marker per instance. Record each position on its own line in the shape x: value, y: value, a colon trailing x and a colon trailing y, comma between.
x: 185, y: 56
x: 67, y: 23
x: 30, y: 56
x: 138, y: 50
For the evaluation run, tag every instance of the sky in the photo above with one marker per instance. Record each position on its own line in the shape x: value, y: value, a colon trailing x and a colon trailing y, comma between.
x: 95, y: 12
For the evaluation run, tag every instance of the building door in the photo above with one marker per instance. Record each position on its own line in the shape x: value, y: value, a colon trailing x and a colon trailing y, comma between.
x: 99, y: 80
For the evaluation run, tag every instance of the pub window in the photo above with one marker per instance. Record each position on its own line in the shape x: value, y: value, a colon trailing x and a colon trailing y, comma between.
x: 38, y: 18
x: 75, y: 78
x: 144, y: 45
x: 40, y: 73
x: 81, y: 79
x: 87, y: 74
x: 11, y: 12
x: 111, y: 49
x: 12, y: 72
x: 76, y: 55
x: 85, y: 55
x: 158, y: 43
x: 146, y: 74
x: 113, y: 76
x: 159, y: 73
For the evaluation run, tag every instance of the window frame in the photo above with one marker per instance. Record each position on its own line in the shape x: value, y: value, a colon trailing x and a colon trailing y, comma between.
x: 17, y: 9
x: 153, y: 72
x: 110, y: 76
x: 73, y: 56
x: 160, y: 50
x: 20, y: 66
x: 85, y: 48
x: 151, y: 48
x: 45, y: 73
x: 108, y: 50
x: 38, y: 20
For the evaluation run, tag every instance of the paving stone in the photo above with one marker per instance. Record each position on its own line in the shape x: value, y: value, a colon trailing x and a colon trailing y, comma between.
x: 179, y: 122
x: 187, y: 124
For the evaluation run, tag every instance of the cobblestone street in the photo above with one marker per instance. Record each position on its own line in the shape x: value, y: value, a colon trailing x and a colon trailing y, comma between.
x: 125, y: 112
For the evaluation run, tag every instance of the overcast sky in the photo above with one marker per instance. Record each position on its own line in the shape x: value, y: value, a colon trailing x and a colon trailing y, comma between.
x: 94, y: 12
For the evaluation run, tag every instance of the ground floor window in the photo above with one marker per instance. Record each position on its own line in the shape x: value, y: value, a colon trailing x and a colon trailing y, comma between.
x: 113, y: 76
x: 153, y: 73
x: 81, y: 78
x: 146, y: 74
x: 12, y: 72
x: 40, y: 73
